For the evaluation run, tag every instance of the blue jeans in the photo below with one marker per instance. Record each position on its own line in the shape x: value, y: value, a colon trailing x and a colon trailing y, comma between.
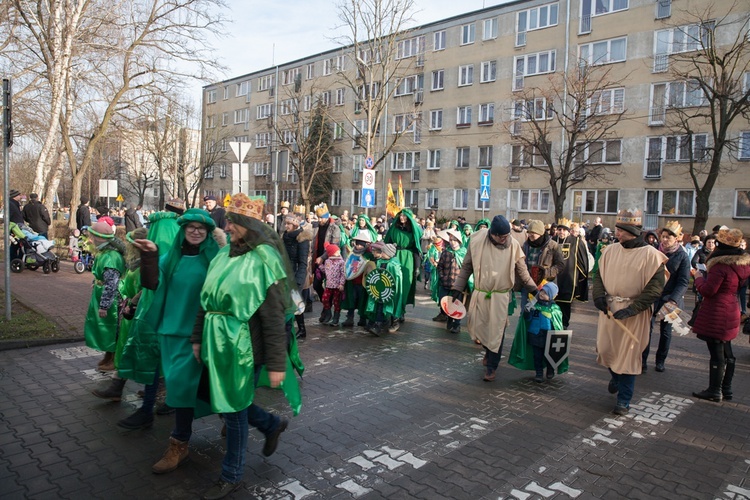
x: 625, y: 388
x: 233, y: 465
x: 743, y: 299
x: 665, y: 339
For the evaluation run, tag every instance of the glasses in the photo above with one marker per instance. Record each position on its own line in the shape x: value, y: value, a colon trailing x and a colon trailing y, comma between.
x: 195, y: 229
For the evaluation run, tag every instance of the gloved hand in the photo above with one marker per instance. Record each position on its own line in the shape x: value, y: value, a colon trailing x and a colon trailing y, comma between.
x: 624, y: 313
x: 456, y: 295
x: 534, y: 292
x: 601, y: 304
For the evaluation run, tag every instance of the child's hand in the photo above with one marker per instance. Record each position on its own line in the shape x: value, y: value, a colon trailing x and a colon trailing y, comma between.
x: 341, y: 288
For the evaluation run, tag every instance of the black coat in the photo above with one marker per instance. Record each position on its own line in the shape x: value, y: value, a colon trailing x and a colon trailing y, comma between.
x: 15, y: 211
x: 219, y: 215
x: 132, y: 220
x: 297, y: 244
x: 83, y: 217
x: 37, y: 216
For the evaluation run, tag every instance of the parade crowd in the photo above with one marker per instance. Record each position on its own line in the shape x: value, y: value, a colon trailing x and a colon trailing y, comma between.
x: 205, y: 304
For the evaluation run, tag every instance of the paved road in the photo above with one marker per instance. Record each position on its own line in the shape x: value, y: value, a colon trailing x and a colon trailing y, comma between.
x: 405, y: 416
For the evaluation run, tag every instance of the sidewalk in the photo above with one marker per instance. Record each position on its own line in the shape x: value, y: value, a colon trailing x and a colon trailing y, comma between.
x: 397, y: 417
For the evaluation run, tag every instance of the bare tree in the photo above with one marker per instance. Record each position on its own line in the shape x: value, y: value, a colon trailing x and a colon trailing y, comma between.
x: 566, y: 130
x: 213, y: 154
x: 709, y: 91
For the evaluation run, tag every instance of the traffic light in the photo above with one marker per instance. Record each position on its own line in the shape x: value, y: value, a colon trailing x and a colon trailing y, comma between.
x: 7, y: 107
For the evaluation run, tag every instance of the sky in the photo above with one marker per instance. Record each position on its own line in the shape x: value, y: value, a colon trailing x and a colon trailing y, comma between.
x: 264, y: 33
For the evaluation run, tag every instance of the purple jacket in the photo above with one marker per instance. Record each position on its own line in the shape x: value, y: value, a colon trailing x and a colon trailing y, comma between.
x: 719, y: 314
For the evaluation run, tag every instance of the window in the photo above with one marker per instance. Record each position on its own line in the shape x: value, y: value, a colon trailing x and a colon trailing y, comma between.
x: 338, y: 131
x: 465, y: 75
x: 438, y: 40
x: 356, y: 197
x: 605, y: 102
x: 311, y: 71
x: 226, y: 92
x: 243, y: 88
x: 680, y: 94
x: 536, y: 18
x: 438, y: 79
x: 520, y: 155
x: 406, y: 160
x: 529, y: 200
x: 263, y: 111
x: 604, y: 52
x: 287, y: 137
x: 223, y: 171
x: 485, y: 156
x: 680, y: 39
x: 433, y: 159
x: 403, y: 123
x: 486, y: 114
x: 338, y: 164
x: 336, y: 197
x: 670, y: 202
x: 208, y: 173
x: 533, y: 110
x: 463, y: 118
x: 409, y: 84
x: 742, y: 204
x: 340, y: 95
x: 265, y: 82
x: 410, y: 47
x: 223, y: 145
x: 489, y: 71
x: 467, y: 34
x: 327, y: 67
x: 744, y: 149
x: 262, y: 140
x: 608, y: 6
x: 532, y: 64
x: 678, y: 147
x: 240, y: 116
x: 261, y: 192
x: 599, y: 152
x: 462, y: 157
x: 490, y: 29
x: 325, y: 98
x: 432, y: 198
x: 288, y: 76
x: 211, y: 121
x: 358, y: 164
x: 663, y: 9
x: 460, y: 199
x: 436, y: 119
x: 339, y: 62
x: 598, y: 201
x: 307, y: 103
x: 211, y: 97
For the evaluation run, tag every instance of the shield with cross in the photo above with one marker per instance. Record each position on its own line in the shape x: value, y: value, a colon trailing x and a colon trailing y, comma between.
x: 557, y: 347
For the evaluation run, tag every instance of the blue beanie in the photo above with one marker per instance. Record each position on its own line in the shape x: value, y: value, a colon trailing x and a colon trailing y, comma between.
x: 500, y: 226
x: 551, y: 290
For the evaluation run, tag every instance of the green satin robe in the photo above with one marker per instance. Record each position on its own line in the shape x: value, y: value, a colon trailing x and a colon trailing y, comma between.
x: 521, y: 353
x: 129, y: 287
x: 394, y: 309
x: 101, y: 333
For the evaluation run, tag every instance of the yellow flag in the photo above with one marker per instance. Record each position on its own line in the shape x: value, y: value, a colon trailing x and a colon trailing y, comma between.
x: 390, y: 203
x: 401, y: 201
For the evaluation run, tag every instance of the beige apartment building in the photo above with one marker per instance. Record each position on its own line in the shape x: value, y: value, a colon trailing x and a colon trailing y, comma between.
x: 462, y: 101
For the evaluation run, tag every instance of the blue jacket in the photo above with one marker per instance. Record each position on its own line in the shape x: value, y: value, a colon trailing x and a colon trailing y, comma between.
x: 678, y: 267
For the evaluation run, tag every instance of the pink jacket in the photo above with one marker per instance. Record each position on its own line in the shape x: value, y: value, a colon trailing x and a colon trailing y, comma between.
x: 335, y: 275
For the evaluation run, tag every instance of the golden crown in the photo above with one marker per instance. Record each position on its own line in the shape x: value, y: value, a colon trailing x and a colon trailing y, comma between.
x: 248, y: 206
x: 284, y: 204
x: 321, y: 210
x: 630, y: 217
x: 674, y: 227
x: 564, y: 222
x: 299, y: 209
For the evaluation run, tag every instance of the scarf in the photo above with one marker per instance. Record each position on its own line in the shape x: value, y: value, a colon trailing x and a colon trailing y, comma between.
x: 669, y: 250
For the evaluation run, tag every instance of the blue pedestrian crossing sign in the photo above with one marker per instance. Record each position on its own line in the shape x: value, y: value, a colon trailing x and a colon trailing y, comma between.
x: 484, y: 185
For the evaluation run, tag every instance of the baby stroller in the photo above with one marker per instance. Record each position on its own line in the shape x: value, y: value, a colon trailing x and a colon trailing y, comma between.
x: 36, y: 251
x: 79, y: 249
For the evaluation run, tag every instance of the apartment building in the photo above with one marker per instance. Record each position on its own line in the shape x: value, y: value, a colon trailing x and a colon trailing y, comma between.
x: 463, y: 100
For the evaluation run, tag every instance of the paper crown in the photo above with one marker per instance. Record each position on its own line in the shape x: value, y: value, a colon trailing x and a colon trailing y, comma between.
x: 284, y: 204
x: 247, y: 206
x: 730, y: 237
x: 630, y: 217
x: 299, y: 209
x: 322, y: 210
x: 564, y: 222
x: 673, y: 227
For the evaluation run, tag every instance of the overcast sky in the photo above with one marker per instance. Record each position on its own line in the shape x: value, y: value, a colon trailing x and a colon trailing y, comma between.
x: 299, y: 28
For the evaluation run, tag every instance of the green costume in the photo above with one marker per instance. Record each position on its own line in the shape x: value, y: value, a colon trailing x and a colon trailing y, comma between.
x: 433, y: 253
x: 370, y: 229
x: 394, y: 309
x: 482, y: 222
x: 599, y: 247
x: 101, y: 333
x: 521, y: 353
x: 459, y: 255
x: 163, y: 229
x: 129, y: 287
x: 466, y: 236
x: 234, y: 289
x: 408, y: 252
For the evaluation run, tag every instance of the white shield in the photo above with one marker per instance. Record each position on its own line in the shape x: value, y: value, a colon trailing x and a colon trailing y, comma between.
x: 557, y: 347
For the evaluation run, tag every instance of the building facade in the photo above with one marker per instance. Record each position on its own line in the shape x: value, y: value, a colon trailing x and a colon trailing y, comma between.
x: 465, y: 95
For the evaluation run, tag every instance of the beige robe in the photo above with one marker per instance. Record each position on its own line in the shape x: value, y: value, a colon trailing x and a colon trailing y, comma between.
x: 494, y: 277
x: 625, y: 273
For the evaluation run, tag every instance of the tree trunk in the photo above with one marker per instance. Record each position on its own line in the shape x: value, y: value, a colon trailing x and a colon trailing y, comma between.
x: 75, y: 199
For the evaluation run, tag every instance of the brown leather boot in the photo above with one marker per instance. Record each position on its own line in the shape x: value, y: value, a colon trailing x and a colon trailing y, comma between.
x: 173, y: 457
x: 113, y: 391
x: 107, y: 363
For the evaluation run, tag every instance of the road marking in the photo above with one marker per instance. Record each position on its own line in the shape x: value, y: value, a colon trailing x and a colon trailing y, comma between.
x: 75, y: 352
x: 355, y: 489
x: 296, y: 489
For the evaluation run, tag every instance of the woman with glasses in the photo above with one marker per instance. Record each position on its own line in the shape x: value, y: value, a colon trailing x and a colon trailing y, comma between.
x: 177, y: 278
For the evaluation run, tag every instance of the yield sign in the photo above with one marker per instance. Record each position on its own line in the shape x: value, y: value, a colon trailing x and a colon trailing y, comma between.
x: 240, y: 149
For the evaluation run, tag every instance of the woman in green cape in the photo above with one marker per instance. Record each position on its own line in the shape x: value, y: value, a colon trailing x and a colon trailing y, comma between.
x: 100, y: 327
x: 406, y: 234
x: 482, y: 224
x: 246, y: 300
x: 466, y: 235
x: 363, y: 224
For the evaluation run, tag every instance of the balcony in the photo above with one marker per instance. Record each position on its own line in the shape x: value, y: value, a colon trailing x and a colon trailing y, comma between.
x: 521, y: 39
x: 661, y: 63
x: 585, y: 26
x: 653, y: 169
x: 657, y: 115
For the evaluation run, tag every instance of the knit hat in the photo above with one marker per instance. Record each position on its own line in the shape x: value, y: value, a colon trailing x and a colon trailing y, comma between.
x: 500, y: 226
x: 536, y: 227
x: 551, y: 290
x: 695, y: 239
x: 109, y: 220
x: 140, y: 233
x: 389, y: 250
x: 605, y: 234
x: 13, y: 193
x: 210, y: 197
x: 378, y: 246
x: 331, y: 249
x: 729, y: 237
x: 101, y: 229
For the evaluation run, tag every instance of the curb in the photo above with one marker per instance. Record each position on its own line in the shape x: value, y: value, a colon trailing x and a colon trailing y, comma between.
x: 7, y: 345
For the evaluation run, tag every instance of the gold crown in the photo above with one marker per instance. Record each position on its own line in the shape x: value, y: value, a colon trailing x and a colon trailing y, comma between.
x: 247, y: 206
x: 299, y: 209
x: 284, y: 204
x: 321, y: 210
x: 630, y: 217
x: 564, y: 222
x: 674, y: 227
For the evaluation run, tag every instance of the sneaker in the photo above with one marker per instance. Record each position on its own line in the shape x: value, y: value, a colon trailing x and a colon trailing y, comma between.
x: 440, y: 317
x: 612, y: 387
x: 138, y: 420
x: 164, y: 409
x: 220, y: 489
x: 455, y: 329
x: 659, y: 367
x: 621, y: 410
x: 539, y: 378
x: 272, y: 439
x: 394, y: 327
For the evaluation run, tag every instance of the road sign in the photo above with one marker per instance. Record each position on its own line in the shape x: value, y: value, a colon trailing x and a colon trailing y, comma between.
x: 107, y: 188
x: 227, y: 199
x: 240, y: 149
x: 484, y: 185
x: 367, y: 199
x: 369, y: 162
x: 119, y: 198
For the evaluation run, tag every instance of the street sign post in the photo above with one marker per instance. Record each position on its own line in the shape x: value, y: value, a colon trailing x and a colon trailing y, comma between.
x: 485, y: 177
x: 107, y: 189
x: 367, y: 199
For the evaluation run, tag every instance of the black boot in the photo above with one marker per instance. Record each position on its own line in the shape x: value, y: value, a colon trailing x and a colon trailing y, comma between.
x: 335, y: 320
x: 325, y: 317
x: 138, y: 420
x: 715, y: 377
x: 726, y: 384
x: 349, y: 321
x: 113, y: 391
x: 301, y: 332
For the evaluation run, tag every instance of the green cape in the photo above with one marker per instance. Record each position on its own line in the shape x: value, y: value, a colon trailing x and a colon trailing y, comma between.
x: 521, y: 353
